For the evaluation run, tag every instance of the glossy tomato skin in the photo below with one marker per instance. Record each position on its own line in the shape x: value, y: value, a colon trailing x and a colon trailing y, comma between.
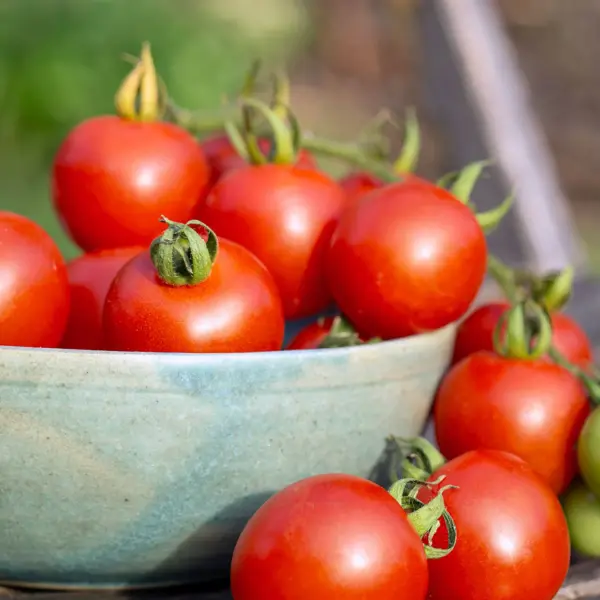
x: 406, y: 259
x: 513, y: 542
x: 311, y: 336
x: 588, y: 451
x: 114, y: 178
x: 90, y: 276
x: 329, y: 536
x: 223, y: 157
x: 534, y: 409
x: 476, y: 333
x: 285, y: 216
x: 237, y: 309
x: 360, y: 183
x: 34, y: 290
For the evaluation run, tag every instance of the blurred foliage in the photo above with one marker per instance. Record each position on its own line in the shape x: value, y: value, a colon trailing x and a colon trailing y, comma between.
x: 61, y: 62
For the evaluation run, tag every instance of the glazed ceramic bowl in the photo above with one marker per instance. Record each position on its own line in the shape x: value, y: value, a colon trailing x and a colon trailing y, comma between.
x: 133, y: 469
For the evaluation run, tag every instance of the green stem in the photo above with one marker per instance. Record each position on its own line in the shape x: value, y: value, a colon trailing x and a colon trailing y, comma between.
x: 504, y: 276
x: 416, y: 458
x: 181, y: 256
x: 351, y: 154
x: 591, y: 382
x: 411, y: 145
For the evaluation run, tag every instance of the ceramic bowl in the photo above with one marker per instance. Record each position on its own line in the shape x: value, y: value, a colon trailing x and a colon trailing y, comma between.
x: 141, y: 469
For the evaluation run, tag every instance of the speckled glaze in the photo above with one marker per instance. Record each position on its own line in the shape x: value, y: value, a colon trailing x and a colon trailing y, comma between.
x: 141, y: 469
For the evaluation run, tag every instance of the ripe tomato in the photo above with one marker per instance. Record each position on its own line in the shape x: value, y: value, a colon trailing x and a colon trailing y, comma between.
x: 359, y: 183
x: 513, y: 542
x: 90, y: 276
x: 407, y: 259
x: 312, y: 335
x: 34, y: 289
x: 285, y: 216
x: 582, y: 511
x: 476, y: 333
x: 329, y: 536
x: 113, y: 178
x: 223, y: 157
x: 532, y: 408
x: 588, y: 451
x: 237, y: 309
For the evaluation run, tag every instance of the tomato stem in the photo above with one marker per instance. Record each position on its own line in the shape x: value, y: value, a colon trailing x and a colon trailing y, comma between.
x: 411, y: 146
x: 415, y: 458
x: 524, y: 331
x: 141, y: 96
x: 342, y: 334
x: 590, y: 381
x: 181, y: 255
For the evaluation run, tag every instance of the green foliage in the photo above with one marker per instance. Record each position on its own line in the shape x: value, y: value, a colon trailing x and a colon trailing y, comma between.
x: 61, y: 61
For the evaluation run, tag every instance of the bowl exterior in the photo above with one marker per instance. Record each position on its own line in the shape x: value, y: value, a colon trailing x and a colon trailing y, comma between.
x: 141, y: 469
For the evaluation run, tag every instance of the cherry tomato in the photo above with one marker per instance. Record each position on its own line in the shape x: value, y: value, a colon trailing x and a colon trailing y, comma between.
x: 588, y: 450
x: 90, y: 276
x: 359, y: 183
x: 406, y: 259
x: 513, y: 541
x: 285, y: 216
x: 534, y: 409
x: 237, y: 309
x: 476, y: 333
x: 223, y: 157
x: 329, y: 536
x: 582, y: 510
x: 113, y: 178
x: 34, y: 289
x: 312, y: 335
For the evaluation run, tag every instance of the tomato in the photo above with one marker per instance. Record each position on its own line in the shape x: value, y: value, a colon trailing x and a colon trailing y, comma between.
x: 588, y: 450
x: 285, y: 216
x: 312, y: 335
x: 237, y: 309
x: 476, y: 333
x: 34, y: 289
x: 90, y: 276
x: 113, y: 178
x: 513, y: 541
x: 406, y: 259
x: 223, y: 157
x: 582, y: 510
x: 360, y: 183
x: 329, y: 536
x: 534, y: 409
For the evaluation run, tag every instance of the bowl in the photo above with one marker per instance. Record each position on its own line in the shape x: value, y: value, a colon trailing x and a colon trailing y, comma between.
x: 141, y: 469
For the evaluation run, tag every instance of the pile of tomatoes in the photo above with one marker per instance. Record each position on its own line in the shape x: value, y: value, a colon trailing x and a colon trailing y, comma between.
x: 214, y: 245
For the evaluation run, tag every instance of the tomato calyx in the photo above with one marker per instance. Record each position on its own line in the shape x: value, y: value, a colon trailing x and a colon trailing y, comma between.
x: 142, y: 95
x: 461, y: 184
x: 342, y: 335
x: 180, y: 254
x: 425, y: 517
x: 524, y: 332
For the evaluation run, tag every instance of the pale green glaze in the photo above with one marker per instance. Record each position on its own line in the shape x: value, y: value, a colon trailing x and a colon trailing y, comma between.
x: 141, y: 469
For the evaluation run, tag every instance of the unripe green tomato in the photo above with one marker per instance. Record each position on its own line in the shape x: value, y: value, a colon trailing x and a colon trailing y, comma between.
x: 582, y: 510
x: 588, y: 452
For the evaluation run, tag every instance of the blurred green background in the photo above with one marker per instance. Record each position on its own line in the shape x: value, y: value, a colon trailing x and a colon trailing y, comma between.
x: 61, y: 61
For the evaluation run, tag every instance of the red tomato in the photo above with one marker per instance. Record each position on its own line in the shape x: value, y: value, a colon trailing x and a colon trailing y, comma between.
x: 513, y: 541
x: 476, y: 333
x: 237, y: 309
x: 532, y: 408
x: 90, y: 276
x: 329, y: 536
x: 34, y: 289
x: 311, y: 336
x: 359, y: 183
x: 408, y: 260
x: 285, y: 216
x: 223, y: 157
x: 113, y: 178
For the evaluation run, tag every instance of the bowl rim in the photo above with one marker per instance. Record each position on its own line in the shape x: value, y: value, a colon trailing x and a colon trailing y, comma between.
x: 418, y: 341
